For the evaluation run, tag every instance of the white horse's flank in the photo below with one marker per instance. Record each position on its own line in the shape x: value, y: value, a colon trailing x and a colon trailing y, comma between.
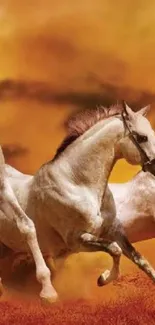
x: 69, y: 200
x: 135, y: 205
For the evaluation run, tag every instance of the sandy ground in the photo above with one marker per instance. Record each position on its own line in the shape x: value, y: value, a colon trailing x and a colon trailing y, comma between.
x: 130, y: 300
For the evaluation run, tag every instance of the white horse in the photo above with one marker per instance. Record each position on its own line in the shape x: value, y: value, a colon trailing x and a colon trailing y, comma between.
x: 68, y: 198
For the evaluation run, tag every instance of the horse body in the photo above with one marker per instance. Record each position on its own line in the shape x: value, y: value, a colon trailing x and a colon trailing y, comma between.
x: 69, y: 196
x: 135, y: 206
x: 56, y: 200
x: 62, y: 187
x: 134, y: 202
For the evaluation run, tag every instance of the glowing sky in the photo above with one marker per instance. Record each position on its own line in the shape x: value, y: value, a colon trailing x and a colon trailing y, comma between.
x: 78, y: 54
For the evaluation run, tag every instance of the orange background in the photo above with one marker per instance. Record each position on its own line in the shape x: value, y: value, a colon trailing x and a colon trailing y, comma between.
x: 60, y: 56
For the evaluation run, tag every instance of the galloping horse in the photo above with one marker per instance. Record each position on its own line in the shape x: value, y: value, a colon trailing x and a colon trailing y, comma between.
x: 69, y: 200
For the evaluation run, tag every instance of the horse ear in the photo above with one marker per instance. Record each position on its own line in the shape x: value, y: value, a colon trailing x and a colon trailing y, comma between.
x: 143, y: 111
x: 128, y: 111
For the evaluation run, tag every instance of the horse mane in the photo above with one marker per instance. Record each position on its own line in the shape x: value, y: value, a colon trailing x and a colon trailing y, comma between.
x: 82, y: 121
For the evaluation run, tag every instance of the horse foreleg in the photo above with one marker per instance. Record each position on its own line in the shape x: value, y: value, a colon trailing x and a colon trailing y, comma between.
x: 11, y: 207
x: 99, y: 244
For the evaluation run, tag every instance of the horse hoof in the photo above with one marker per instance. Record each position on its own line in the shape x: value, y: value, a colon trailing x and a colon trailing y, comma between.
x: 100, y: 281
x: 49, y: 300
x: 103, y: 279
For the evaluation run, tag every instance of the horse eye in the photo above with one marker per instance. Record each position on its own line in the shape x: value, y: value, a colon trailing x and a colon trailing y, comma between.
x: 141, y: 138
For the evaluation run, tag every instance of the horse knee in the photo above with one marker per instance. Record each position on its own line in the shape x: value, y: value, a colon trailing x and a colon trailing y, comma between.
x: 26, y: 227
x: 115, y: 249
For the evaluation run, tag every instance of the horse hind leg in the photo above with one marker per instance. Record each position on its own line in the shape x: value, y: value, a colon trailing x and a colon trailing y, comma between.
x: 130, y: 252
x: 10, y: 206
x: 110, y: 247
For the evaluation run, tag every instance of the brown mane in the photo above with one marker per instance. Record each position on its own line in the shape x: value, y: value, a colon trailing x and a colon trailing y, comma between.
x: 83, y: 121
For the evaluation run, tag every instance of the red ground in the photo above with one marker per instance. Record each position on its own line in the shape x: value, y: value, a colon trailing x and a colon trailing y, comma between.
x: 135, y: 308
x: 129, y: 301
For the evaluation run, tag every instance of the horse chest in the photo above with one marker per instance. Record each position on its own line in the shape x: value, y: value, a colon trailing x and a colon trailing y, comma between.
x: 95, y: 223
x: 73, y: 211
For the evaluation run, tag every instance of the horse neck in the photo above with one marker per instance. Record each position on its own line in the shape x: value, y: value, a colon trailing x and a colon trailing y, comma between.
x: 92, y: 156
